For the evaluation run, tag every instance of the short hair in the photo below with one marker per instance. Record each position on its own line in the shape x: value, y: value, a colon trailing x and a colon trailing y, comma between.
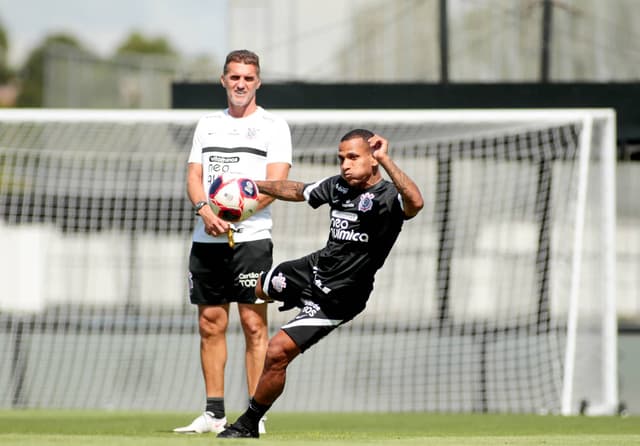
x: 242, y: 56
x: 357, y: 133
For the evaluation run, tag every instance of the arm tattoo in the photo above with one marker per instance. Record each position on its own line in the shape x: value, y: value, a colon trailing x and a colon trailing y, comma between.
x: 411, y: 196
x: 282, y: 189
x: 400, y: 179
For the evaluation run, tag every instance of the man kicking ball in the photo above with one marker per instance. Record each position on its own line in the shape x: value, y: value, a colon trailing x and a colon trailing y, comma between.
x: 332, y: 285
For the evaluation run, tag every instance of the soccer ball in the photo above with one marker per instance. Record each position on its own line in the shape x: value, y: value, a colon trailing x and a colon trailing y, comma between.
x: 233, y: 199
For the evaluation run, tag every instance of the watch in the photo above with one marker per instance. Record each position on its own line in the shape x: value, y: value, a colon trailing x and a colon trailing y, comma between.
x: 199, y: 205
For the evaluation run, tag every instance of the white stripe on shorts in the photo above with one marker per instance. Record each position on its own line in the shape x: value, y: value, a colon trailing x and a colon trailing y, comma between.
x: 308, y: 322
x: 267, y: 282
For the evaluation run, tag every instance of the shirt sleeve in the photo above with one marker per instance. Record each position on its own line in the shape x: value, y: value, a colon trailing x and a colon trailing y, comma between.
x: 280, y: 145
x: 195, y: 156
x: 318, y: 193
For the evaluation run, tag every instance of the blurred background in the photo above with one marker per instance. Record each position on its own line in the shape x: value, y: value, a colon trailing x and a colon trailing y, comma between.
x: 125, y: 54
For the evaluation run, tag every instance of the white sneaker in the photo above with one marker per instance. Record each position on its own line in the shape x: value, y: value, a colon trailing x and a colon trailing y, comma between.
x: 204, y: 423
x: 261, y: 428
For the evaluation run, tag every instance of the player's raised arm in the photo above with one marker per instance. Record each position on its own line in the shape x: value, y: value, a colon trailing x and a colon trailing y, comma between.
x: 411, y: 197
x: 286, y: 190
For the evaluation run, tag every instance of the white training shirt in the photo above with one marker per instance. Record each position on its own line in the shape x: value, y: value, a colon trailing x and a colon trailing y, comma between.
x: 239, y: 147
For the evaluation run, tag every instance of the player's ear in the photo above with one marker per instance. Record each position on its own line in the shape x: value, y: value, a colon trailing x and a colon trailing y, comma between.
x: 258, y: 83
x: 222, y: 81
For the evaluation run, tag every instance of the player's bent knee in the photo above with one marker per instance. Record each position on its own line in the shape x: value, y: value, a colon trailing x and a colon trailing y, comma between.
x: 281, y: 351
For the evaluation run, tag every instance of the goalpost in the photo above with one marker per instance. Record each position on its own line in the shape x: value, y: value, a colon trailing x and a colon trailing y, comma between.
x: 498, y: 297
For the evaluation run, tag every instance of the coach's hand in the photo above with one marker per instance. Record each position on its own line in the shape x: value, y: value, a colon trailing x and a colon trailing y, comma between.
x: 213, y: 225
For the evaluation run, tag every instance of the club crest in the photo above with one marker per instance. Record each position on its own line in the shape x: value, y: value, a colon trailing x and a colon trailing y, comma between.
x: 252, y: 133
x: 366, y: 202
x: 279, y: 282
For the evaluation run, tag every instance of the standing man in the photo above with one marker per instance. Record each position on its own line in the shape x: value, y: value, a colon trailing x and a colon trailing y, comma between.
x: 332, y: 285
x: 242, y: 140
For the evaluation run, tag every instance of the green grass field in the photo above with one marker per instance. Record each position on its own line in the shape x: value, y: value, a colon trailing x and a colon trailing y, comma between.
x: 88, y: 428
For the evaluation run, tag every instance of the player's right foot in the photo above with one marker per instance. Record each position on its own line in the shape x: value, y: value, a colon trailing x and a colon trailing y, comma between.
x: 237, y: 430
x: 204, y: 423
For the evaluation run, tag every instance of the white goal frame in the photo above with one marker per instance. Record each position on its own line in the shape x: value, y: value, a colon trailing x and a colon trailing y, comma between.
x: 595, y: 158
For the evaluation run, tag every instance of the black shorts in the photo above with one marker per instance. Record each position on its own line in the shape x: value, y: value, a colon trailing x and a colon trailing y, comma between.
x: 310, y: 325
x: 219, y: 274
x: 295, y: 284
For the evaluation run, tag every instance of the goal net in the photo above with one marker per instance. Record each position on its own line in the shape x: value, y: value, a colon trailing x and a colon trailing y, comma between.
x: 498, y: 297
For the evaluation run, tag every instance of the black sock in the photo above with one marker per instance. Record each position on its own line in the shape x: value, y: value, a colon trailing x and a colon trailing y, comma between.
x: 215, y: 405
x: 252, y: 415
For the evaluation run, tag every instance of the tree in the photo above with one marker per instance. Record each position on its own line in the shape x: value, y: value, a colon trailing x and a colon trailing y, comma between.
x: 32, y: 73
x: 6, y: 74
x: 137, y: 43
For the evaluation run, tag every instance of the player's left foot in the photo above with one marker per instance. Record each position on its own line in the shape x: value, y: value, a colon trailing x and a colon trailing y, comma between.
x: 237, y: 430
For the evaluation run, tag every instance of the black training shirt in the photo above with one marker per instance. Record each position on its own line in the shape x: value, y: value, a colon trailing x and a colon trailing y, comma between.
x: 364, y: 225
